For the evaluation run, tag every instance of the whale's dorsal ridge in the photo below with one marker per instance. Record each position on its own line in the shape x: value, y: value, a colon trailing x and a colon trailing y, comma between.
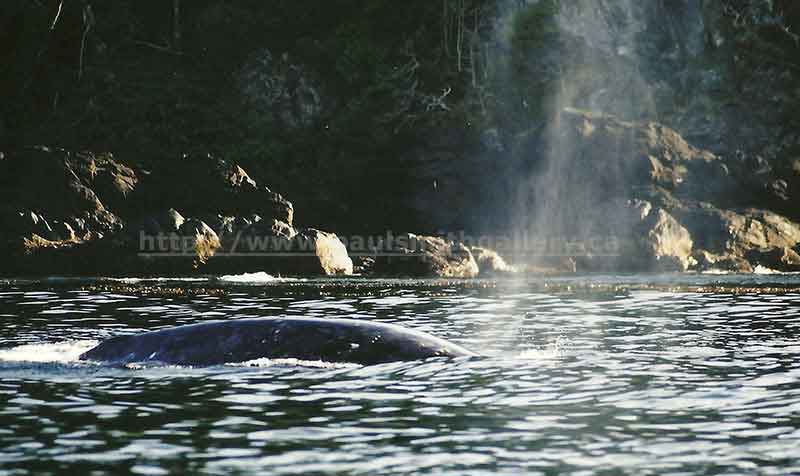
x: 241, y: 340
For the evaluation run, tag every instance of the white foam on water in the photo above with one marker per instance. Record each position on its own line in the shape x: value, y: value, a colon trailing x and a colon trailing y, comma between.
x: 764, y: 270
x: 294, y: 363
x: 253, y: 278
x: 261, y: 363
x: 553, y: 350
x: 61, y: 352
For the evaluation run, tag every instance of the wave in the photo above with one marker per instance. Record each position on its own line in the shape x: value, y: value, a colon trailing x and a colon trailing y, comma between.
x: 764, y: 270
x: 294, y: 363
x: 553, y: 350
x: 60, y: 352
x: 253, y: 278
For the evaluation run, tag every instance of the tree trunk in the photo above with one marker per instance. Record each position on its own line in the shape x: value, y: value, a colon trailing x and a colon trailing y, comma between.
x: 176, y: 25
x: 446, y: 27
x: 474, y: 49
x: 459, y: 32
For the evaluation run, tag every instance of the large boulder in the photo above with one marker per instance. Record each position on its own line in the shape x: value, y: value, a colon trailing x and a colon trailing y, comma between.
x: 425, y: 256
x: 777, y: 259
x: 588, y: 158
x: 55, y: 219
x: 202, y: 241
x: 320, y: 253
x: 46, y: 186
x: 490, y: 263
x: 254, y: 235
x: 664, y: 243
x: 52, y: 205
x: 685, y: 206
x: 163, y: 222
x: 738, y: 232
x: 720, y: 263
x: 641, y: 237
x: 275, y: 247
x: 203, y: 185
x: 739, y: 240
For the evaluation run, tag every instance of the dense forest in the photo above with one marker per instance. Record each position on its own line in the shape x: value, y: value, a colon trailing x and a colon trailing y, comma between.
x: 354, y: 84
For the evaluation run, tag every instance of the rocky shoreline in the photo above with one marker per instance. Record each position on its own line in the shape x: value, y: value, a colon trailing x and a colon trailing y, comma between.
x: 80, y: 213
x: 679, y: 209
x: 442, y: 120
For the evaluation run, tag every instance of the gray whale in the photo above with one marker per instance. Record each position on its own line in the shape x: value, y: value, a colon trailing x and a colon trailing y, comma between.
x: 242, y: 340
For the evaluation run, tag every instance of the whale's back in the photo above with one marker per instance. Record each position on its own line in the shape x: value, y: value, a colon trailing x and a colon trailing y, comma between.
x: 242, y: 340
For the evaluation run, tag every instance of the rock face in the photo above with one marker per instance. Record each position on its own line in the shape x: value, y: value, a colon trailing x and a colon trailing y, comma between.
x: 659, y: 243
x: 705, y: 68
x: 741, y: 231
x: 276, y: 248
x: 201, y: 238
x: 426, y: 256
x: 50, y: 193
x: 672, y: 206
x: 668, y: 242
x: 200, y: 185
x: 695, y: 107
x: 326, y: 253
x: 490, y: 263
x: 710, y: 262
x: 55, y: 219
x: 777, y: 259
x: 598, y: 158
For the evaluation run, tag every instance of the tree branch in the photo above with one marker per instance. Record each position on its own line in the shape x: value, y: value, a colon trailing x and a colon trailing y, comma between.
x: 164, y: 49
x: 58, y: 15
x: 88, y: 23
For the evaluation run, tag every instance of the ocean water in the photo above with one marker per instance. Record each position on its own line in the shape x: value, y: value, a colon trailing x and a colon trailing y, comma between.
x: 590, y: 375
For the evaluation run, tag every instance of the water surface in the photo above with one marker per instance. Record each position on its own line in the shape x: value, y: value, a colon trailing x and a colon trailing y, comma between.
x: 585, y: 376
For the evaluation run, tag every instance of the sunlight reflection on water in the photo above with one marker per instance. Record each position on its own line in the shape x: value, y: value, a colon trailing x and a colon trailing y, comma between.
x: 575, y: 382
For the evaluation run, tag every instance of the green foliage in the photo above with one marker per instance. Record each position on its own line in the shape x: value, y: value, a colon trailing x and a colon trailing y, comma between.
x: 377, y: 63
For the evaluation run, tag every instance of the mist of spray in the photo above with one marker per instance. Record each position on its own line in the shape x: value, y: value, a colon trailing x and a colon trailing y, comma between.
x: 597, y: 71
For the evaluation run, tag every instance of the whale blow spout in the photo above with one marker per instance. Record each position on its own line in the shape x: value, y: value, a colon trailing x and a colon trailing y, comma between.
x: 243, y: 340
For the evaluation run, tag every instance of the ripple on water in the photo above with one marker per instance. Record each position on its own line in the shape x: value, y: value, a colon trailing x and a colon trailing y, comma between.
x: 633, y: 382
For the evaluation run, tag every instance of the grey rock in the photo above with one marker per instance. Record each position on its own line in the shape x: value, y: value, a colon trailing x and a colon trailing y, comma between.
x: 667, y: 242
x: 171, y: 221
x: 204, y: 241
x: 425, y: 256
x: 725, y: 232
x: 60, y: 184
x: 490, y: 263
x: 204, y: 185
x: 62, y: 232
x: 326, y: 254
x: 778, y: 259
x: 728, y: 263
